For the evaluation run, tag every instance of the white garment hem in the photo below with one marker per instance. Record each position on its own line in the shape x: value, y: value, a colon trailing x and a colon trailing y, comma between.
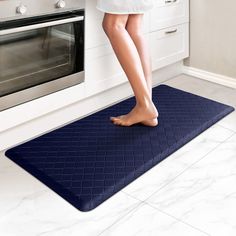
x: 129, y: 12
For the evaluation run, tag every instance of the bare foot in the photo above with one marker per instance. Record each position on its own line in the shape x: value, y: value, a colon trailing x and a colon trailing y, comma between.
x: 151, y: 122
x: 136, y: 115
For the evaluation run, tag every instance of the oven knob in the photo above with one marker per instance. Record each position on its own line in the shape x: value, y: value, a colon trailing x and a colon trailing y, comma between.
x: 21, y: 9
x: 61, y: 4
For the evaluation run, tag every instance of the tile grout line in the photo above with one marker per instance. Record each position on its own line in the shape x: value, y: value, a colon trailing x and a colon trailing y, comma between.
x: 120, y: 218
x: 143, y: 203
x: 154, y: 207
x: 186, y: 223
x: 222, y: 126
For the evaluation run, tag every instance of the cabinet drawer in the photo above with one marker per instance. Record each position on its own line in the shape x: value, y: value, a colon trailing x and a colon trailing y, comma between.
x: 169, y: 45
x: 168, y: 12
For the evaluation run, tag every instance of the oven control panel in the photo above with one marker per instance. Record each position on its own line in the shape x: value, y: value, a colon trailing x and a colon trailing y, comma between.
x: 13, y: 9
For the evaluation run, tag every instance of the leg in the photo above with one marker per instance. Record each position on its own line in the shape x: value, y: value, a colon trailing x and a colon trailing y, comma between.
x: 133, y: 27
x: 127, y: 54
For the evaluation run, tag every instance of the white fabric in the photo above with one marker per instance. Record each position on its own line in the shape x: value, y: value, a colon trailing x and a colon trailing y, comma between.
x: 124, y: 6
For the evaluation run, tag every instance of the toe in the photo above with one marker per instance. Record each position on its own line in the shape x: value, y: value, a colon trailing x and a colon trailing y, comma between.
x: 112, y: 118
x: 116, y: 121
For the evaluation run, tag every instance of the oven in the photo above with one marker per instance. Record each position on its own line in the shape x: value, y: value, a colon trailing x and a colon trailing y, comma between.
x: 40, y: 53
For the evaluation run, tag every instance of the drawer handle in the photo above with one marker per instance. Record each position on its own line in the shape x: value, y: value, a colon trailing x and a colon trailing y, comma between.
x: 171, y: 31
x: 170, y: 1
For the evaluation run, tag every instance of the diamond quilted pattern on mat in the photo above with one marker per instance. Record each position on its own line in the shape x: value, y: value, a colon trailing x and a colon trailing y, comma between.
x: 89, y: 160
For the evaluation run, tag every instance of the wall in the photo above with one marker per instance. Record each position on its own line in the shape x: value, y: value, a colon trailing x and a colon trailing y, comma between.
x: 213, y: 36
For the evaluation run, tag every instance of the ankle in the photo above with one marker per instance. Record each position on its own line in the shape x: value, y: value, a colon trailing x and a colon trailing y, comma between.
x: 144, y: 103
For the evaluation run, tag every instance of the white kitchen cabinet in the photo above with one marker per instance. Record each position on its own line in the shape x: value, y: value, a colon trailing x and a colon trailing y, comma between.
x: 169, y: 45
x: 166, y: 13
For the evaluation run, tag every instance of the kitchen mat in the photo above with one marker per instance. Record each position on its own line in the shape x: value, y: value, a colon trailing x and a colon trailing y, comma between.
x: 90, y: 159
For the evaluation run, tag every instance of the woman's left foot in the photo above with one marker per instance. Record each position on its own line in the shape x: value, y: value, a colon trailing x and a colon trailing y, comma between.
x: 136, y: 115
x: 151, y: 122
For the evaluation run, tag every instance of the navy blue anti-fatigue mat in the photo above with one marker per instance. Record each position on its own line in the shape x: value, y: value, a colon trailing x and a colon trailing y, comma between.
x: 90, y: 159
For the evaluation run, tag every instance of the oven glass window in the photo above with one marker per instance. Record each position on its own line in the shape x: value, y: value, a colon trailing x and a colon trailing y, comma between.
x: 36, y: 56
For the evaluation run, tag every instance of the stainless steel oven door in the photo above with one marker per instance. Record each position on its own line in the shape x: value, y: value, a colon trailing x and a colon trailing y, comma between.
x: 40, y: 55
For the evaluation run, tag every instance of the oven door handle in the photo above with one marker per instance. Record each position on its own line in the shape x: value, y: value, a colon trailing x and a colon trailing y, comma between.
x: 41, y: 25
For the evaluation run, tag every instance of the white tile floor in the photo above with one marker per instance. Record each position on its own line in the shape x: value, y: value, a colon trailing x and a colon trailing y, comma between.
x: 192, y: 192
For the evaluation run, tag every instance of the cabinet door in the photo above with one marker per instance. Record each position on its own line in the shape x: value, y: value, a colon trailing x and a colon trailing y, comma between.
x: 168, y: 12
x: 169, y: 45
x: 94, y: 33
x: 102, y: 69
